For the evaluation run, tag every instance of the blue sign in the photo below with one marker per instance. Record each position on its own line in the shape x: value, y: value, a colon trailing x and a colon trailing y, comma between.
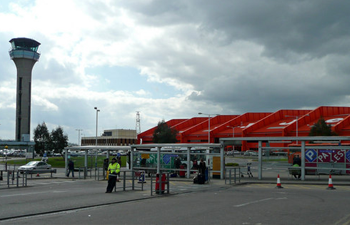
x: 166, y: 159
x: 311, y: 155
x: 348, y: 155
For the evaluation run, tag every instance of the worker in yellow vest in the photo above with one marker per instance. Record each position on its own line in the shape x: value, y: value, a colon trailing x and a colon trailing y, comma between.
x: 114, y: 169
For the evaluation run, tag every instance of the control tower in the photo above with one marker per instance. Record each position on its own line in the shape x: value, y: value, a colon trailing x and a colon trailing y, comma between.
x: 24, y: 53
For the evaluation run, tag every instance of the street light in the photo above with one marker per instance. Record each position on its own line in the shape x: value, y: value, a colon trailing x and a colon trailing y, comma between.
x: 233, y: 134
x: 79, y: 143
x: 97, y: 110
x: 208, y: 122
x: 297, y: 118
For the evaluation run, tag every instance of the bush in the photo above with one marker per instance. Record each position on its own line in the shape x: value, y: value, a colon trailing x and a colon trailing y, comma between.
x: 231, y: 164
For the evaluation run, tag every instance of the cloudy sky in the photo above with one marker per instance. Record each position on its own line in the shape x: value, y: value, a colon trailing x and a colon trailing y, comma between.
x: 173, y: 59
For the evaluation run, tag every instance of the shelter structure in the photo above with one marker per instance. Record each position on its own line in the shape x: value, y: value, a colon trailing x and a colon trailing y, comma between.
x: 282, y: 123
x: 164, y: 154
x: 93, y: 149
x: 309, y: 156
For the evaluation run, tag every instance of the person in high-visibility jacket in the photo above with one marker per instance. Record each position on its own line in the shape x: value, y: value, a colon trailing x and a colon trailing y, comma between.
x: 114, y: 169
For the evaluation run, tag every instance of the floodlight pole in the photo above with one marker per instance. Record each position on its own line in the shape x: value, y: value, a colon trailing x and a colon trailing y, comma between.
x: 97, y: 110
x: 208, y: 123
x: 297, y: 118
x: 233, y: 135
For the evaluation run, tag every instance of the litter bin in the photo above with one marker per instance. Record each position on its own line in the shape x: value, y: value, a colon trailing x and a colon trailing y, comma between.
x: 157, y: 183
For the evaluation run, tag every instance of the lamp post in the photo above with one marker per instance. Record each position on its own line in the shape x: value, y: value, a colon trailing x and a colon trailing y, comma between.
x: 296, y: 117
x: 208, y: 122
x: 6, y: 147
x: 233, y: 135
x: 97, y: 110
x: 79, y: 143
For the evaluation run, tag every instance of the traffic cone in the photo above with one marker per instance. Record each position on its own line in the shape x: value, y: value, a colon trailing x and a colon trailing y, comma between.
x: 330, y: 184
x: 278, y: 182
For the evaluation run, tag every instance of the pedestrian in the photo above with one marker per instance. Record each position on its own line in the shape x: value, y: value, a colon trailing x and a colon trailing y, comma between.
x: 70, y: 168
x: 105, y: 167
x: 114, y: 169
x: 177, y: 164
x: 201, y: 172
x: 202, y: 167
x: 296, y: 163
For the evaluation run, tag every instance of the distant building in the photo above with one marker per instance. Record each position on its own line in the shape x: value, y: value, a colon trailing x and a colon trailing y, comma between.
x: 112, y: 137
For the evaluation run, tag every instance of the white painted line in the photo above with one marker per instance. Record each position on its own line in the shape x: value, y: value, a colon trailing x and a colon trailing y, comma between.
x: 31, y: 193
x: 248, y: 203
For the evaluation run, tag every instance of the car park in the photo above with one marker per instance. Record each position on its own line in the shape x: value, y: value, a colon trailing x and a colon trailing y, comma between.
x: 250, y: 153
x: 34, y: 166
x: 233, y: 152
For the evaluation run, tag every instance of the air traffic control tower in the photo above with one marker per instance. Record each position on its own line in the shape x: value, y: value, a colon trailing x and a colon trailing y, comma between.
x: 24, y: 53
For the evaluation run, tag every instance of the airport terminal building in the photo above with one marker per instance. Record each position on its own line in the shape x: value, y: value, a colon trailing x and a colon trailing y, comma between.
x: 112, y: 137
x: 282, y: 123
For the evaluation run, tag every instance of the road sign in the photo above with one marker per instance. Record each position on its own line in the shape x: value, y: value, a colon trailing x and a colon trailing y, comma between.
x: 348, y: 155
x: 310, y: 155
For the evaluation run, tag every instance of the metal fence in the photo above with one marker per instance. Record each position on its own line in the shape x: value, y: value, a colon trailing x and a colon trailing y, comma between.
x: 12, y: 178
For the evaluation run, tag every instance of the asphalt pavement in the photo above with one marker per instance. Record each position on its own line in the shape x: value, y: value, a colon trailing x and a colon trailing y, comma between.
x: 62, y: 200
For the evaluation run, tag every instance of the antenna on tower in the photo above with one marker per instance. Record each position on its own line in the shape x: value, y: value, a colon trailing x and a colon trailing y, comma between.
x: 138, y: 124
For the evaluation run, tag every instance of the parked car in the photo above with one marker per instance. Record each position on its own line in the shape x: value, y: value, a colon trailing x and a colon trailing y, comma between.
x: 250, y: 153
x: 233, y: 152
x: 34, y: 165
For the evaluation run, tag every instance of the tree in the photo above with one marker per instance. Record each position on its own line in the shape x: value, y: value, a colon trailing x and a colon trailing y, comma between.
x: 321, y: 129
x: 164, y: 134
x: 41, y: 138
x: 58, y: 140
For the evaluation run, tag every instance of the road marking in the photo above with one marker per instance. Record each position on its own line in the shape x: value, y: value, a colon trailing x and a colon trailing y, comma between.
x: 262, y: 200
x: 31, y: 193
x: 44, y: 183
x: 344, y: 221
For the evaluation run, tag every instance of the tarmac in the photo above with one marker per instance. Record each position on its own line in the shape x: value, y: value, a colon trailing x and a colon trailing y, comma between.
x: 49, y: 188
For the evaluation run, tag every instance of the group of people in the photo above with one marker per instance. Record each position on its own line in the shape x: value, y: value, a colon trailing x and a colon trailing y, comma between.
x: 201, y: 167
x: 113, y: 169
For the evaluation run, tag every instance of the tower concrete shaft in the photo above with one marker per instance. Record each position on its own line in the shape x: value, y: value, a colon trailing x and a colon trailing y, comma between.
x: 24, y: 54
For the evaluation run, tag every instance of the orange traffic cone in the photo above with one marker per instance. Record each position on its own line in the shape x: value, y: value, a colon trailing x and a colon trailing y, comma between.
x: 278, y: 182
x: 330, y: 184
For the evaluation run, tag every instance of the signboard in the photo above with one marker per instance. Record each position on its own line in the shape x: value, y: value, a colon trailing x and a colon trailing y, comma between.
x: 310, y: 155
x: 338, y: 156
x: 144, y: 156
x: 348, y: 156
x: 324, y: 155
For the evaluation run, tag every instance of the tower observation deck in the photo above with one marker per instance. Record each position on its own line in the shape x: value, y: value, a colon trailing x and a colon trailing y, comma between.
x: 24, y: 53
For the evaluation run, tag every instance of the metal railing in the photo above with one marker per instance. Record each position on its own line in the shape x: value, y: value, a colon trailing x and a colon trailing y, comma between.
x: 235, y: 176
x: 12, y: 178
